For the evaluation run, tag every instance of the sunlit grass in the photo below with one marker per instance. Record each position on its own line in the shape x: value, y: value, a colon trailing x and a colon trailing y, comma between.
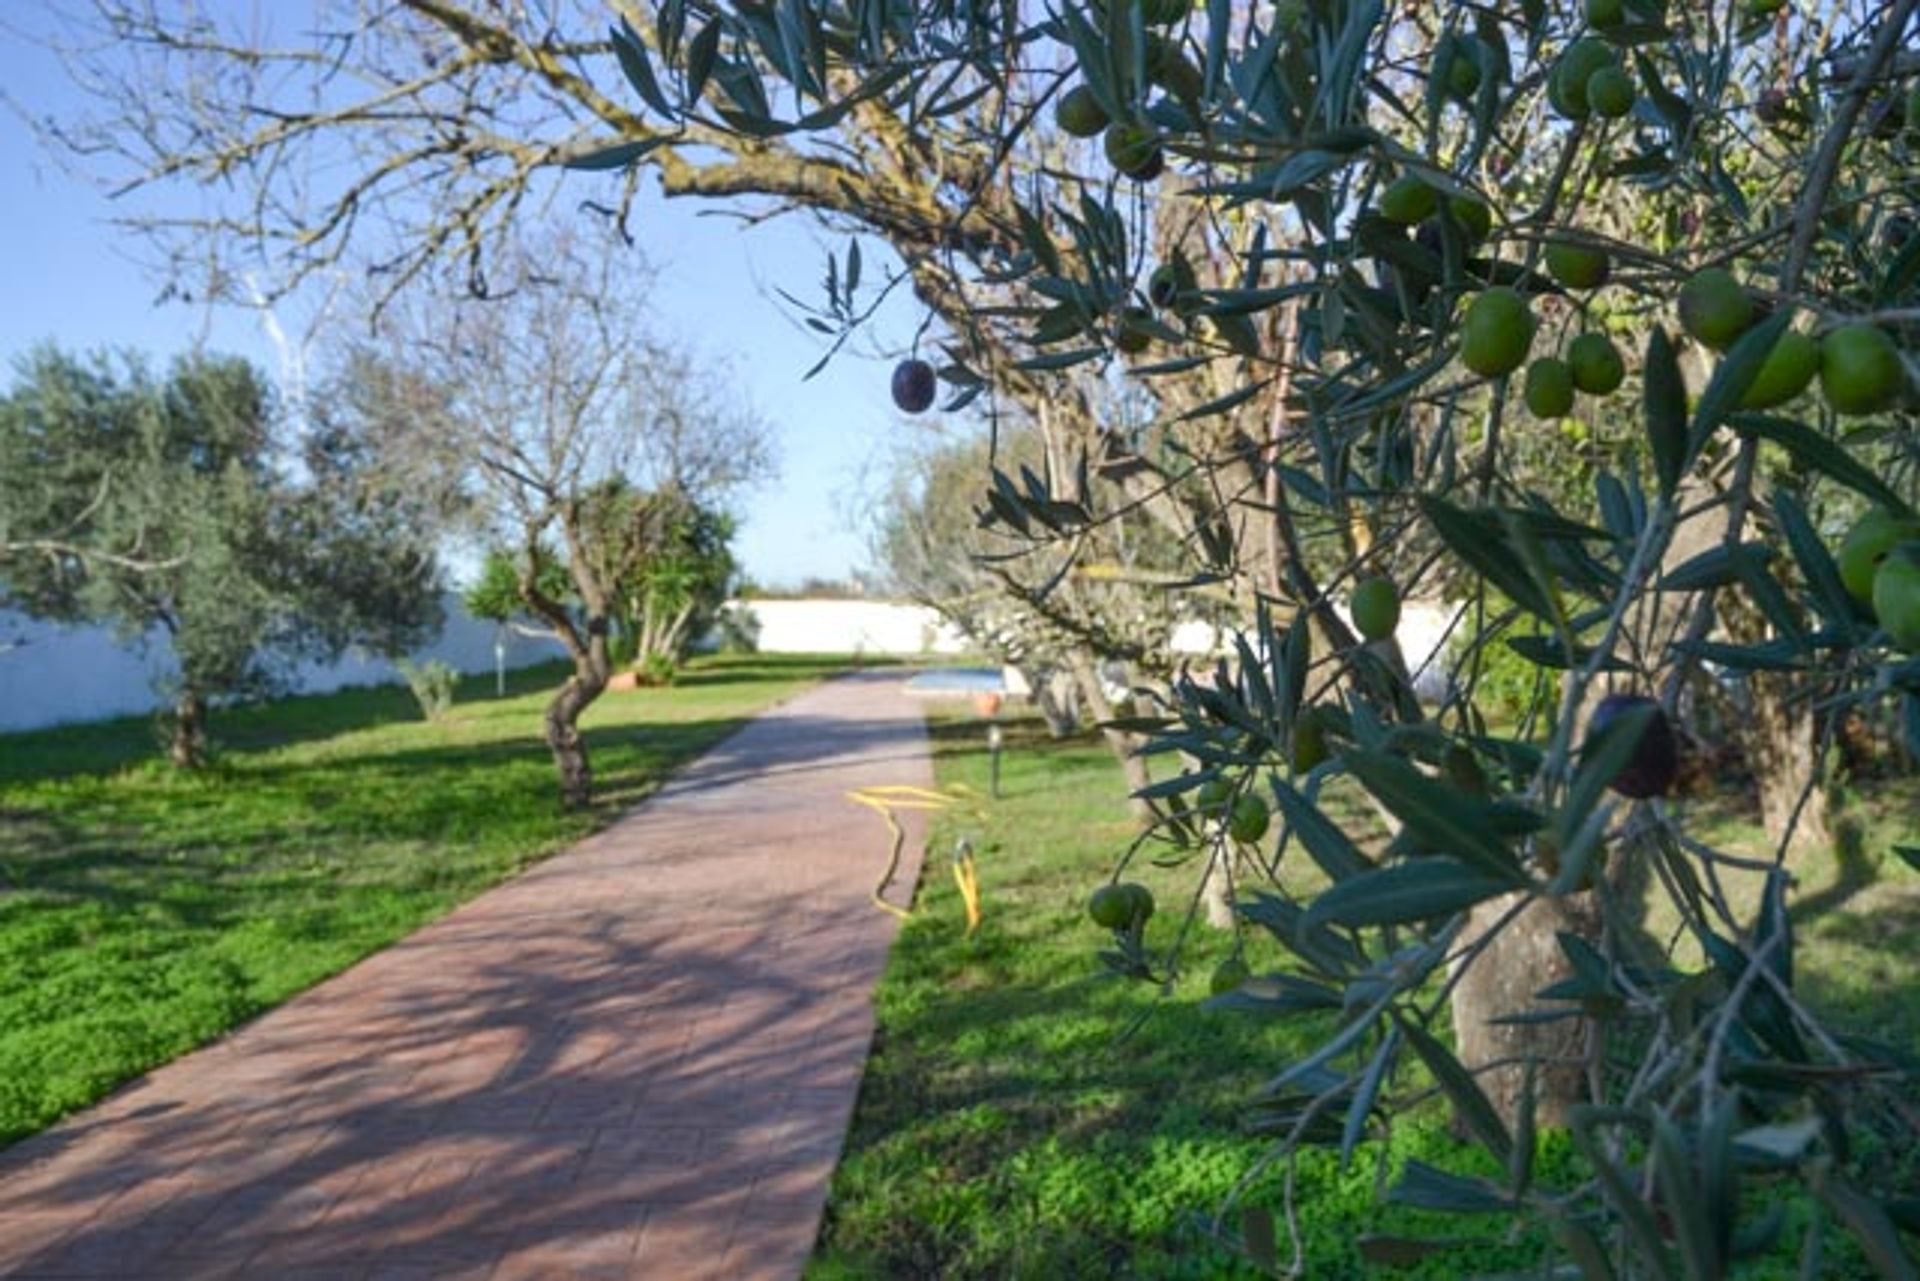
x: 145, y: 911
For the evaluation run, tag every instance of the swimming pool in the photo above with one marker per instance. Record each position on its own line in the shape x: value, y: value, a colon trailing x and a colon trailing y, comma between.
x: 958, y: 680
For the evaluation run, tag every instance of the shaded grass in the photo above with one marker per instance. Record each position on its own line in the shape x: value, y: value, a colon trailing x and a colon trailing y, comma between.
x: 1007, y: 1127
x: 143, y: 911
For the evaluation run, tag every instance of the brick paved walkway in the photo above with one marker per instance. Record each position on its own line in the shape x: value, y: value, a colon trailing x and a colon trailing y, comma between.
x: 636, y: 1060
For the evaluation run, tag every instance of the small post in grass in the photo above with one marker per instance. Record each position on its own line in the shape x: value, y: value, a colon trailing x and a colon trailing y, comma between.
x: 499, y: 662
x: 987, y: 703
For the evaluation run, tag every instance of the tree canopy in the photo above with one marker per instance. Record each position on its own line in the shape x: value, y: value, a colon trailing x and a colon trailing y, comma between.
x: 159, y: 504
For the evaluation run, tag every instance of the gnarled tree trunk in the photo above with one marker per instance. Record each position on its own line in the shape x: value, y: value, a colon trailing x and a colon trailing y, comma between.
x: 563, y: 727
x: 187, y: 748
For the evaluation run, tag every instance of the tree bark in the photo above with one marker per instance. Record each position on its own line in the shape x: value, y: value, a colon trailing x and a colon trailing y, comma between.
x: 592, y: 662
x: 1783, y: 746
x: 188, y: 747
x: 1123, y: 745
x: 563, y: 729
x: 1054, y: 696
x: 1781, y: 743
x: 1524, y: 957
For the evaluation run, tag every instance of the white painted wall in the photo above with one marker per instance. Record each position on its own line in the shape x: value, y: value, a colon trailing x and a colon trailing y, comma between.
x: 54, y: 675
x: 849, y: 626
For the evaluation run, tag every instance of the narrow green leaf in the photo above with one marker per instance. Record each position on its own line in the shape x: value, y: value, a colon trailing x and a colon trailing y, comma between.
x: 1420, y: 890
x: 632, y: 53
x: 1547, y: 651
x: 1520, y: 1163
x: 1225, y: 404
x: 1666, y: 406
x: 1579, y: 1241
x: 1478, y: 539
x: 1431, y: 1188
x: 1870, y: 1226
x: 1034, y: 235
x: 1469, y: 1101
x: 1325, y: 843
x: 1765, y: 591
x: 701, y: 54
x: 1332, y: 1048
x: 1619, y: 1191
x: 1830, y: 596
x: 1360, y: 1107
x: 1686, y: 1209
x: 1773, y: 932
x: 1059, y: 359
x: 1719, y: 1175
x: 1319, y: 946
x: 1277, y: 994
x: 1816, y: 451
x: 1296, y: 657
x: 1772, y: 656
x: 1718, y: 566
x: 618, y: 156
x: 1602, y: 757
x: 1446, y: 820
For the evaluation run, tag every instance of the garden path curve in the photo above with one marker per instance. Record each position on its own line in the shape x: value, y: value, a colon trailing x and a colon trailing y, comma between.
x: 638, y: 1059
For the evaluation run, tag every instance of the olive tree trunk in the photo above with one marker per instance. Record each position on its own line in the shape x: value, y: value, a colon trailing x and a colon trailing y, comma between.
x: 1523, y: 958
x: 563, y: 726
x: 1123, y: 745
x: 187, y: 747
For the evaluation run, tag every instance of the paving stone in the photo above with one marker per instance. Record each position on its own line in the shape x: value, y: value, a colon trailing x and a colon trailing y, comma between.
x: 637, y: 1060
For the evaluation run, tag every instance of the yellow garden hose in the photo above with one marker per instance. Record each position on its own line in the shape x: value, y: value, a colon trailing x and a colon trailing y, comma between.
x: 884, y: 801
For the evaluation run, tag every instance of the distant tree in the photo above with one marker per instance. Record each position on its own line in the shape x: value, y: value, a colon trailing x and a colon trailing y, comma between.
x: 495, y: 594
x: 155, y: 504
x: 535, y: 417
x: 684, y: 566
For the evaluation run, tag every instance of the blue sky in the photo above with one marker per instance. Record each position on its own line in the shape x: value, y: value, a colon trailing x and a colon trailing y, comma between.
x: 73, y: 278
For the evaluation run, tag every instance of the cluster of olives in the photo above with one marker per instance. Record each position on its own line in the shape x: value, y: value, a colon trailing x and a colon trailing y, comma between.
x: 1247, y: 816
x: 1589, y: 80
x: 1858, y: 364
x: 1880, y: 568
x: 1591, y: 364
x: 1133, y: 146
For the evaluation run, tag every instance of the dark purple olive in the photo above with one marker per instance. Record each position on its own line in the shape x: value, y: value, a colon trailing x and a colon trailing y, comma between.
x: 1655, y: 761
x: 913, y: 386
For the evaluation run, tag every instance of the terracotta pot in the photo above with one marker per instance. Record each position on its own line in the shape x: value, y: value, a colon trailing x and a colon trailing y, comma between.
x: 624, y: 680
x: 986, y: 704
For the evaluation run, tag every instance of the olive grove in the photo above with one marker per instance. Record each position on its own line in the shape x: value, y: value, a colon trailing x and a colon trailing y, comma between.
x: 1598, y: 317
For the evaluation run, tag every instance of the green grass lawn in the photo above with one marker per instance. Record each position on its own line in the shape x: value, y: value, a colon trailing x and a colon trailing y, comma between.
x: 144, y: 911
x: 1007, y: 1127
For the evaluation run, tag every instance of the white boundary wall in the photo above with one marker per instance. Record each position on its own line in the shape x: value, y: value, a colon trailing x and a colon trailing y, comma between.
x: 54, y: 675
x: 848, y: 627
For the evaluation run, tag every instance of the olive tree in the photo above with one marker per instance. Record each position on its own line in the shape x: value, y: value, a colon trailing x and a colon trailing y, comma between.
x: 1373, y: 138
x: 532, y: 415
x: 155, y: 504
